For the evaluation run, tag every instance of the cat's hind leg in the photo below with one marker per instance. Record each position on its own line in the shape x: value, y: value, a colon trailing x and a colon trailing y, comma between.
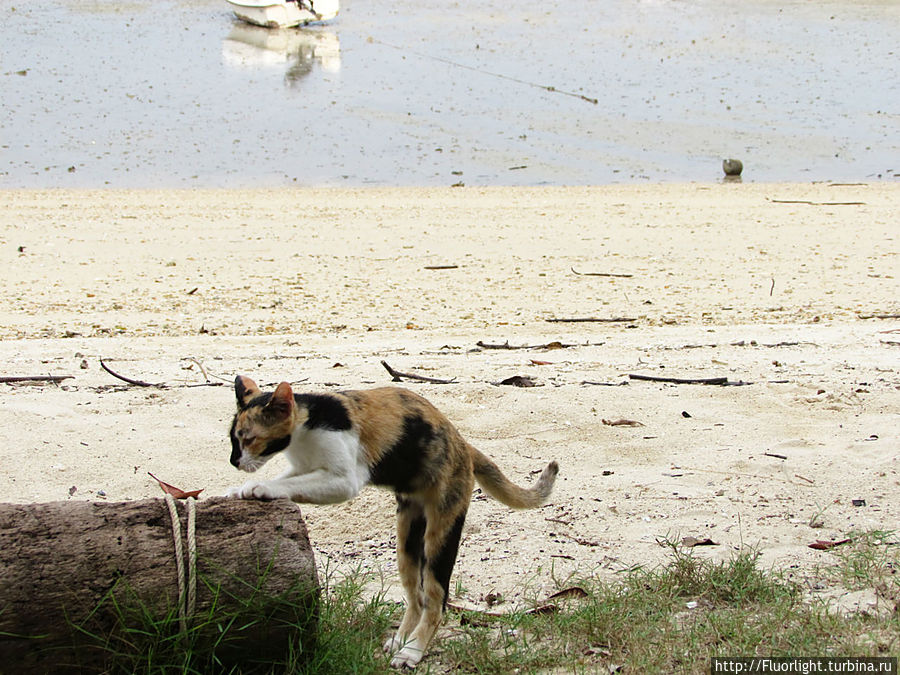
x: 410, y: 562
x: 443, y: 531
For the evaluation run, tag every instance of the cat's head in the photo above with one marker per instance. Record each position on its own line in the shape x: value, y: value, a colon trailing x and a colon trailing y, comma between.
x: 262, y: 425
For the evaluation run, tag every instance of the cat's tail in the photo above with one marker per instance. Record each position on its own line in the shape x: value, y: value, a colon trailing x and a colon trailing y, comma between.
x: 498, y: 486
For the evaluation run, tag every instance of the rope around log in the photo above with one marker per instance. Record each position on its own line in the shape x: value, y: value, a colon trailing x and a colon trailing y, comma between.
x: 187, y: 604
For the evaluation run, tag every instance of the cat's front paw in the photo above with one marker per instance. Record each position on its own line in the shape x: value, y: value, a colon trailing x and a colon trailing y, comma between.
x: 408, y: 657
x: 256, y: 490
x: 406, y: 653
x: 392, y: 644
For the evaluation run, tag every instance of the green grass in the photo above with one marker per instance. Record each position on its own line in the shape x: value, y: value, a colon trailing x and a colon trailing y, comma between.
x: 245, y: 632
x: 666, y: 619
x: 673, y: 618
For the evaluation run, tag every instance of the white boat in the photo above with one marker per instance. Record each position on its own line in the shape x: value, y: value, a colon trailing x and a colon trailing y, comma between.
x: 284, y: 14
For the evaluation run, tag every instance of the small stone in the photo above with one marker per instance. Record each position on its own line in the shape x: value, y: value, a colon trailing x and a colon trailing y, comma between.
x: 732, y: 167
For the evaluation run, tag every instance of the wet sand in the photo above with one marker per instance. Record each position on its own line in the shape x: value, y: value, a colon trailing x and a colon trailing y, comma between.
x: 170, y: 94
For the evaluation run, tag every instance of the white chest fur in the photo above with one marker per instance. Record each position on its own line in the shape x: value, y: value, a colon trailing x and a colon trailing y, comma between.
x: 325, y: 467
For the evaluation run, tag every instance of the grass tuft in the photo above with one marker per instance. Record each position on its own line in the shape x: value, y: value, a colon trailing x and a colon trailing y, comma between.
x: 668, y: 619
x: 673, y: 619
x: 253, y: 633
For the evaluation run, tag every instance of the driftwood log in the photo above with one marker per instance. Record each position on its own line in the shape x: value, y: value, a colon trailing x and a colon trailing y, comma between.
x: 72, y: 571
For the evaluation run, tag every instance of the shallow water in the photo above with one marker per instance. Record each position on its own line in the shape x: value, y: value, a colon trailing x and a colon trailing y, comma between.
x: 169, y: 94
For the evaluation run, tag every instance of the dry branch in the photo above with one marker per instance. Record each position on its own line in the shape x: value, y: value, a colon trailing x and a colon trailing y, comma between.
x: 506, y: 345
x: 811, y: 203
x: 35, y: 378
x: 721, y: 381
x: 600, y: 274
x: 592, y: 319
x: 137, y: 383
x: 397, y: 376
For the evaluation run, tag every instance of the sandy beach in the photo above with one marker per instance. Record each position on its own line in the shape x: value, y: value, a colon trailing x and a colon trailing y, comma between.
x: 789, y: 291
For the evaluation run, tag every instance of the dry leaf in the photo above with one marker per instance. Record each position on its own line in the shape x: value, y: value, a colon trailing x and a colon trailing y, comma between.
x: 823, y: 545
x: 570, y: 592
x: 544, y: 609
x: 519, y: 381
x: 178, y: 493
x: 690, y: 542
x: 622, y: 423
x: 535, y: 362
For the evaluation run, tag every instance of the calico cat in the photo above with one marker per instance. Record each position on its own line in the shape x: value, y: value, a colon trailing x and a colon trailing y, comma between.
x: 338, y: 442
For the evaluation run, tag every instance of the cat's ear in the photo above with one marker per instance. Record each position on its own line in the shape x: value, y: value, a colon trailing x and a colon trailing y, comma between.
x: 282, y: 401
x: 244, y: 390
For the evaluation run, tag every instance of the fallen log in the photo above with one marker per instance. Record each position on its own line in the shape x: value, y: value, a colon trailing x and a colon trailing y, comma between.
x: 73, y: 574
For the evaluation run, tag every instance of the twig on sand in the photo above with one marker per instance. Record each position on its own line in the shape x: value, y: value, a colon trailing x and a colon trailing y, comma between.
x: 600, y: 274
x: 34, y: 378
x: 720, y: 381
x: 592, y: 319
x: 397, y: 376
x: 550, y: 345
x: 137, y: 383
x: 811, y: 203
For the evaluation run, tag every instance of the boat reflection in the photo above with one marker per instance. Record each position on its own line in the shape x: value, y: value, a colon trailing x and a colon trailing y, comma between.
x: 298, y: 51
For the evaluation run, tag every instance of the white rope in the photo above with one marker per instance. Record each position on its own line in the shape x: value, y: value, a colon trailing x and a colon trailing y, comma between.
x: 186, y: 602
x: 192, y: 557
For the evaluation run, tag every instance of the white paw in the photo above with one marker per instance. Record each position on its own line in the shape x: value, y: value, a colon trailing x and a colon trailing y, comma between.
x: 233, y: 492
x: 392, y: 644
x: 255, y: 490
x: 407, y: 657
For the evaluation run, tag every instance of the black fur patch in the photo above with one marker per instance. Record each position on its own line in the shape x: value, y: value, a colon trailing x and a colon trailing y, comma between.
x: 442, y: 565
x: 276, y: 445
x: 401, y: 466
x: 414, y: 546
x: 325, y: 412
x: 235, y: 444
x: 239, y: 391
x: 454, y: 494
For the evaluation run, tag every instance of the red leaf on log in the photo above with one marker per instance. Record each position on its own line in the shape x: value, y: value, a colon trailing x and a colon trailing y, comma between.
x: 178, y: 493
